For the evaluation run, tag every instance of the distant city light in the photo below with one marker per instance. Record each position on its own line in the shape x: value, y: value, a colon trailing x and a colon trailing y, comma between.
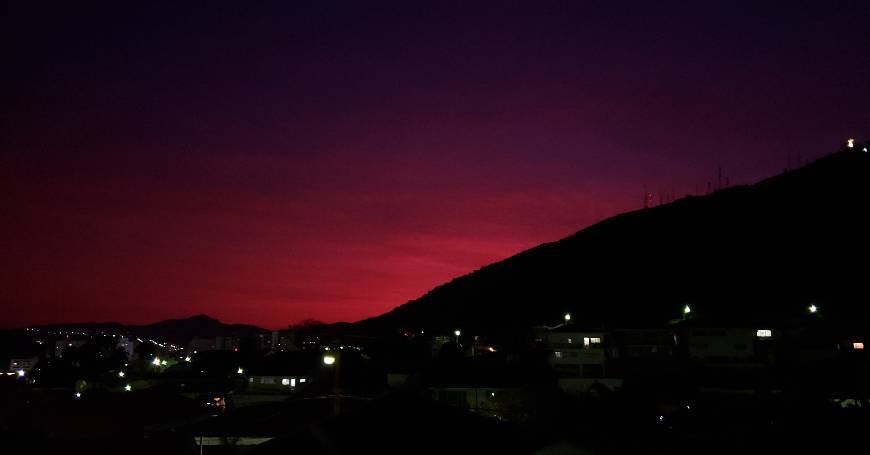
x: 121, y: 374
x: 163, y: 362
x: 763, y: 333
x: 567, y: 317
x: 187, y: 359
x: 858, y: 345
x: 240, y: 371
x: 128, y: 388
x: 156, y: 361
x: 328, y: 359
x: 813, y: 308
x: 687, y: 309
x: 20, y: 373
x: 78, y: 394
x: 850, y: 143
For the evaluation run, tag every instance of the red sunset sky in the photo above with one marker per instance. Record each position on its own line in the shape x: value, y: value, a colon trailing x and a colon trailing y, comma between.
x: 269, y: 163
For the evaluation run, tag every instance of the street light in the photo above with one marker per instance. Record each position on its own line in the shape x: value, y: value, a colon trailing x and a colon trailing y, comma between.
x: 457, y: 332
x: 128, y: 388
x: 687, y: 310
x: 813, y: 308
x: 567, y: 317
x: 156, y: 361
x: 240, y: 371
x: 850, y: 143
x: 328, y: 359
x: 121, y: 374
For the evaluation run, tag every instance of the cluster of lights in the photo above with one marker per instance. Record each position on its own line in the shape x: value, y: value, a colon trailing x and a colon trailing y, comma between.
x: 850, y: 143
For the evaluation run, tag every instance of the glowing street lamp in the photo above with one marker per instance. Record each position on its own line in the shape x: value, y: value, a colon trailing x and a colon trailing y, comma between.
x: 567, y: 317
x: 121, y: 374
x: 156, y: 361
x: 850, y: 143
x: 687, y: 310
x: 20, y: 373
x: 187, y: 359
x: 128, y: 388
x: 813, y: 308
x: 240, y: 371
x: 457, y: 332
x: 328, y: 359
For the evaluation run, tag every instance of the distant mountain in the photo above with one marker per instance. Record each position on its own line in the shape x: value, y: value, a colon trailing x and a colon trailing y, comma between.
x: 179, y: 331
x: 749, y: 252
x: 203, y: 326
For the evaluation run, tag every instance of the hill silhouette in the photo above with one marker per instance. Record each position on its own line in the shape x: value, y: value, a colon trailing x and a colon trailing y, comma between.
x: 763, y: 251
x: 180, y: 330
x: 184, y: 329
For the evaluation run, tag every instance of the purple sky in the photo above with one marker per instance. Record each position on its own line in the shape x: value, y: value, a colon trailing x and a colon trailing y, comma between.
x: 267, y: 163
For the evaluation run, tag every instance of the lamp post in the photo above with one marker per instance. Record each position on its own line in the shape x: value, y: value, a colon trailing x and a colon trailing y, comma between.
x: 331, y: 360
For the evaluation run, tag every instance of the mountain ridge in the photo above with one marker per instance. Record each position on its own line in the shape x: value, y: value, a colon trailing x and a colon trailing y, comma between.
x: 767, y: 249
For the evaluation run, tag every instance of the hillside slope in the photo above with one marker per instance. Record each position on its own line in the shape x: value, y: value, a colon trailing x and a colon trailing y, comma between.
x: 764, y: 250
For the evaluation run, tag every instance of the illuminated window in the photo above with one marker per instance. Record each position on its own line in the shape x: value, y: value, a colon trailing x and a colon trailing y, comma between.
x: 595, y: 340
x: 558, y: 354
x: 763, y: 333
x: 586, y: 341
x: 302, y: 380
x: 292, y: 382
x: 570, y: 340
x: 858, y: 345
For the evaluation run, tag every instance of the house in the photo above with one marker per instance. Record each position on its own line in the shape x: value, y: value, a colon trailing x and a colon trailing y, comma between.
x: 578, y: 356
x: 282, y: 372
x: 24, y: 364
x: 573, y: 352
